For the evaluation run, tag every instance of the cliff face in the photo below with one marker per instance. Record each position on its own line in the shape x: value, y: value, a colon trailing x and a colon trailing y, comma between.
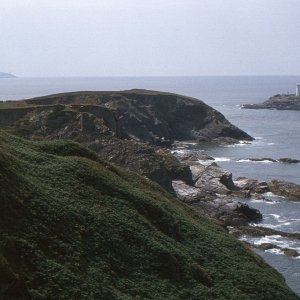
x: 123, y: 127
x: 75, y: 227
x: 153, y: 117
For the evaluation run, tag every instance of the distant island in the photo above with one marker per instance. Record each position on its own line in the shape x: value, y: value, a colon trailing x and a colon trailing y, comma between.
x: 279, y: 102
x: 6, y: 75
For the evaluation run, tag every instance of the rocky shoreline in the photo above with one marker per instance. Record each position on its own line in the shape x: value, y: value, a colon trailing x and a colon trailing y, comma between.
x: 147, y: 132
x: 216, y: 195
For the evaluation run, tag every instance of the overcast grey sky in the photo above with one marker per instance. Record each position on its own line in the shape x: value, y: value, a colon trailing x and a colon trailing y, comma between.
x: 149, y: 37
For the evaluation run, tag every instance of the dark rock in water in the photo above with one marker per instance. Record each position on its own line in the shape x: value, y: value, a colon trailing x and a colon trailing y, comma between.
x: 286, y: 251
x: 153, y: 117
x: 290, y: 252
x: 263, y: 159
x: 286, y: 189
x: 267, y: 246
x: 257, y: 231
x: 288, y: 160
x: 187, y: 193
x: 280, y: 102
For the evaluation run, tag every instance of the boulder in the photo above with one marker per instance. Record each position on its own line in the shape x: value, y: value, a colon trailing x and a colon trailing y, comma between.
x: 286, y: 189
x: 187, y: 193
x: 290, y: 252
x: 231, y: 212
x: 267, y: 246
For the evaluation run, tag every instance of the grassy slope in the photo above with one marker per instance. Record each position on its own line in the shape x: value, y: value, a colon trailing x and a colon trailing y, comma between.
x: 74, y: 227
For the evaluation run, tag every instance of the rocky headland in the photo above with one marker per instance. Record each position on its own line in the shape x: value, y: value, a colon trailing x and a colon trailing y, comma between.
x: 143, y: 131
x: 130, y: 128
x: 279, y: 102
x: 137, y: 129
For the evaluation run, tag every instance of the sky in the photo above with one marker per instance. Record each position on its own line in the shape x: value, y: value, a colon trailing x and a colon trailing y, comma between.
x: 58, y: 38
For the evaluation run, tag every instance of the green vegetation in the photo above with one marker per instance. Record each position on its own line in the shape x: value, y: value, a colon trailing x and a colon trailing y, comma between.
x: 75, y: 227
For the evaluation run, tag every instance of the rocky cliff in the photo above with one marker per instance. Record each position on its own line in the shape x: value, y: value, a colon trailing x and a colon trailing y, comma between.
x: 153, y: 117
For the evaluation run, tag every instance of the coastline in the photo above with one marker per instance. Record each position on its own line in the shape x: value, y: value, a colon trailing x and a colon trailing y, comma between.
x: 229, y: 145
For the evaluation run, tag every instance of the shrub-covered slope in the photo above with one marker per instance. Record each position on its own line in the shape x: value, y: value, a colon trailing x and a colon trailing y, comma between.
x: 75, y: 227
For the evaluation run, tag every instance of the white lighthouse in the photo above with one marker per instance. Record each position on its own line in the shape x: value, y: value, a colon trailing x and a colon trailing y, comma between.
x: 298, y: 89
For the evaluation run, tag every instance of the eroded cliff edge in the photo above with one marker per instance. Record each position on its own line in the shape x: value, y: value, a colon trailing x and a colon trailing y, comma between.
x: 154, y: 117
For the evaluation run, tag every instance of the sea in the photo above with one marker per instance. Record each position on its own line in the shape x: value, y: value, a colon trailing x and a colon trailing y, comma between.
x: 276, y: 133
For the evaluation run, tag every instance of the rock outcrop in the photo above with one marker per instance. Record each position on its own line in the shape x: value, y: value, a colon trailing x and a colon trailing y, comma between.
x: 286, y: 189
x: 280, y: 102
x: 212, y: 192
x: 282, y: 188
x: 147, y: 116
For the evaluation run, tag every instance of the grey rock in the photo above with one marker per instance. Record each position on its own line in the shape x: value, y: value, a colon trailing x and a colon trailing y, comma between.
x: 231, y: 212
x: 279, y: 102
x: 286, y: 189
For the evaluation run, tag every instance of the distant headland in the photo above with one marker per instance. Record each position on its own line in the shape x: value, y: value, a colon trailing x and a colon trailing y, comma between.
x: 279, y: 102
x: 7, y: 75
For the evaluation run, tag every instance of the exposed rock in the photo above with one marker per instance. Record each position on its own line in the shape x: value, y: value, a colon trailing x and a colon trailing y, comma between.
x: 251, y: 185
x: 280, y: 102
x: 288, y: 160
x: 286, y: 251
x: 157, y: 164
x: 257, y: 231
x: 290, y: 252
x: 286, y: 189
x: 263, y: 159
x: 267, y: 246
x: 192, y: 156
x: 229, y: 211
x: 280, y: 160
x: 187, y: 193
x: 212, y: 179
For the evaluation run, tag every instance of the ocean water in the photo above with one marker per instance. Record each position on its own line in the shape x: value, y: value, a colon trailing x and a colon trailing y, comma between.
x: 276, y: 133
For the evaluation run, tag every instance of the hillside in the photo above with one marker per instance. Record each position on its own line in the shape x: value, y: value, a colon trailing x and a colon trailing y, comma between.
x: 75, y: 227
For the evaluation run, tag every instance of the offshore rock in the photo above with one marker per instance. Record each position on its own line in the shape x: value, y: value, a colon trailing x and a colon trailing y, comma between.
x: 280, y: 102
x: 286, y: 189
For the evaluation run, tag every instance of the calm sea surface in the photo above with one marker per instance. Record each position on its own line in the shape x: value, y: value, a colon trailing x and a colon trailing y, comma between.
x: 276, y: 133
